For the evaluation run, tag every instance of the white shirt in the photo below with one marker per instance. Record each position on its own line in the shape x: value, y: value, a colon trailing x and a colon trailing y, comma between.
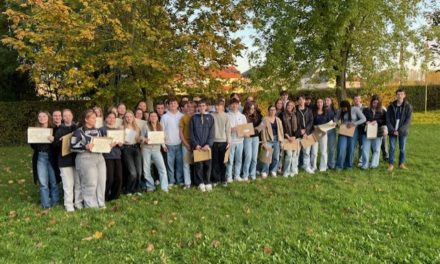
x: 130, y: 136
x: 170, y: 124
x: 236, y: 119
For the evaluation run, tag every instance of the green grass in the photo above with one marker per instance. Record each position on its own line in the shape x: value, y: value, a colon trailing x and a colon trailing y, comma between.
x: 352, y: 216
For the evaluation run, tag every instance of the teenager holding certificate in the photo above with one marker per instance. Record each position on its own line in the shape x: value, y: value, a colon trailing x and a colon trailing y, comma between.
x: 185, y: 135
x: 272, y: 136
x: 222, y: 142
x: 331, y: 134
x: 350, y: 117
x: 320, y: 117
x: 151, y: 154
x: 131, y: 153
x: 236, y: 118
x: 113, y: 162
x: 69, y: 175
x: 375, y: 117
x: 202, y: 138
x: 43, y: 166
x: 250, y: 144
x: 290, y: 127
x: 304, y: 117
x: 399, y: 115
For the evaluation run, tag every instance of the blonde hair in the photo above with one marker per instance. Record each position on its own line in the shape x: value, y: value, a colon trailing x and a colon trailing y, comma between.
x: 133, y: 124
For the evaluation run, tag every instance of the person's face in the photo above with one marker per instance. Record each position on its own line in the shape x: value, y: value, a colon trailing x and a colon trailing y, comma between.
x: 308, y: 102
x: 139, y: 114
x: 160, y: 109
x: 234, y: 107
x: 357, y: 100
x: 279, y: 104
x: 56, y: 116
x: 328, y: 102
x: 91, y: 120
x: 191, y: 109
x: 272, y: 111
x: 285, y: 97
x: 219, y: 108
x: 97, y: 112
x: 252, y: 110
x: 400, y: 96
x: 173, y: 106
x: 67, y: 117
x: 202, y: 108
x: 115, y: 111
x: 43, y: 118
x: 301, y: 101
x: 142, y: 106
x: 290, y: 106
x: 320, y: 103
x: 153, y: 118
x: 374, y: 103
x: 122, y: 109
x: 129, y: 118
x: 146, y: 115
x: 110, y: 120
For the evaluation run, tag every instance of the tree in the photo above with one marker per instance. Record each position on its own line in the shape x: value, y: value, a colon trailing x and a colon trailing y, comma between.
x: 341, y: 39
x: 128, y: 49
x: 432, y: 34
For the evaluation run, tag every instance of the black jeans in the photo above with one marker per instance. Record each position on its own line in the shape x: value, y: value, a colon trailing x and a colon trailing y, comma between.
x: 132, y: 157
x: 203, y: 172
x: 114, y: 179
x: 218, y: 165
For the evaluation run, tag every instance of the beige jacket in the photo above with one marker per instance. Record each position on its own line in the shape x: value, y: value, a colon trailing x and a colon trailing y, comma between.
x: 267, y: 134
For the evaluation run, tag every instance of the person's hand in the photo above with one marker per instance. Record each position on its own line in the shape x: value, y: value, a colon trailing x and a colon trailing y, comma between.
x: 50, y: 138
x: 165, y: 149
x: 373, y: 122
x: 303, y: 131
x: 90, y: 146
x: 228, y: 146
x: 113, y: 144
x: 206, y: 148
x: 146, y: 140
x: 120, y: 144
x: 198, y: 147
x: 233, y: 129
x: 385, y: 133
x: 396, y: 133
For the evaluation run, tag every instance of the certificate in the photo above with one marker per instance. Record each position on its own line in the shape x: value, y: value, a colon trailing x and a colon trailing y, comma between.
x: 265, y: 155
x: 101, y: 144
x: 156, y: 137
x: 118, y: 135
x: 202, y: 155
x: 371, y: 130
x: 140, y: 123
x: 227, y: 153
x: 189, y: 157
x: 345, y: 131
x: 288, y: 145
x: 118, y: 122
x: 245, y: 130
x: 99, y: 122
x: 308, y: 141
x: 327, y: 126
x: 39, y: 134
x: 65, y: 144
x: 318, y: 134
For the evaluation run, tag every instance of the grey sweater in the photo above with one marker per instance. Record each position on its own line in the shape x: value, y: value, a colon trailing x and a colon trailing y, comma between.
x: 222, y: 127
x: 357, y: 117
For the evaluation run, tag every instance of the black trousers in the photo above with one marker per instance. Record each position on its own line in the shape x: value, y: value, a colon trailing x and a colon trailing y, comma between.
x: 203, y: 172
x: 113, y: 183
x: 133, y: 161
x: 218, y: 165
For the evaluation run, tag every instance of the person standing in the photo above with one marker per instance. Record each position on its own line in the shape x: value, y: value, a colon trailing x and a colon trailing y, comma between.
x: 90, y: 166
x: 113, y: 161
x: 320, y: 117
x: 290, y: 127
x: 304, y: 117
x: 202, y: 138
x: 250, y: 144
x: 399, y: 116
x: 357, y: 103
x: 43, y: 166
x: 222, y: 141
x: 236, y: 118
x: 272, y: 137
x: 375, y: 116
x: 57, y: 121
x: 69, y: 175
x: 331, y: 134
x: 185, y: 135
x: 170, y: 124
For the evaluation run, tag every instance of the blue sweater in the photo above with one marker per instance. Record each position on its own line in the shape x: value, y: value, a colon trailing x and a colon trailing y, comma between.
x: 202, y: 130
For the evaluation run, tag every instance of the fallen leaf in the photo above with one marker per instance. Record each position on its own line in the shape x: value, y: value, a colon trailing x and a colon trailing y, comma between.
x: 97, y: 235
x: 198, y: 236
x: 155, y: 202
x: 215, y: 243
x: 53, y: 221
x: 111, y: 223
x: 149, y: 248
x: 12, y: 214
x: 267, y: 249
x: 21, y: 181
x: 10, y: 181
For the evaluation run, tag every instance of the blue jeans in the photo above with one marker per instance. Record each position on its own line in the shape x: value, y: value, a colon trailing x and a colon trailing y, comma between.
x: 250, y: 148
x: 47, y: 181
x: 402, y: 144
x: 186, y: 167
x: 154, y: 155
x: 290, y: 162
x: 175, y: 164
x: 374, y: 145
x: 331, y: 148
x: 235, y: 158
x: 273, y: 167
x: 345, y: 152
x: 306, y: 157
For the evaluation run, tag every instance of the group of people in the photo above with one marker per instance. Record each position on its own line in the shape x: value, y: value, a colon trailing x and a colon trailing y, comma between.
x: 89, y: 179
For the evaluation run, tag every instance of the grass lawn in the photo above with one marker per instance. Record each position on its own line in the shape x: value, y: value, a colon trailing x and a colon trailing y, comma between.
x: 350, y: 216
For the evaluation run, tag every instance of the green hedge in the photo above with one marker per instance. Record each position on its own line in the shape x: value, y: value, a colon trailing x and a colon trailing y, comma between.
x: 16, y: 117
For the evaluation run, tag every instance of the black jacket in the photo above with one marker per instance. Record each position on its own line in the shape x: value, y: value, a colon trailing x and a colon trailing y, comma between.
x: 68, y: 160
x: 379, y: 117
x: 304, y: 121
x: 202, y: 132
x: 405, y: 119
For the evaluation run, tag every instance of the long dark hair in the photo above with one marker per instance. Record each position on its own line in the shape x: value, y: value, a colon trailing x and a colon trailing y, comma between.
x: 345, y: 104
x: 315, y: 107
x: 379, y: 103
x: 158, y: 125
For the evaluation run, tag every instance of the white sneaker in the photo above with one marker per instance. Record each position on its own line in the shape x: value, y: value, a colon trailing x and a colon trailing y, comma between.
x: 273, y: 174
x: 309, y: 170
x: 208, y: 187
x: 323, y: 170
x: 170, y: 185
x: 202, y: 187
x: 229, y: 180
x: 239, y: 179
x: 246, y: 179
x: 264, y: 175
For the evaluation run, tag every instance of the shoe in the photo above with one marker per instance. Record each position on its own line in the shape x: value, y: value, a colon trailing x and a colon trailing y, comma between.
x: 403, y: 167
x: 202, y: 187
x: 229, y: 180
x: 322, y: 170
x: 225, y: 184
x: 157, y: 182
x: 258, y: 173
x: 208, y: 187
x: 170, y: 185
x: 214, y: 185
x: 264, y: 175
x: 273, y: 174
x: 187, y: 187
x: 70, y: 210
x: 286, y: 175
x: 239, y: 179
x: 309, y: 170
x: 390, y: 168
x: 245, y: 179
